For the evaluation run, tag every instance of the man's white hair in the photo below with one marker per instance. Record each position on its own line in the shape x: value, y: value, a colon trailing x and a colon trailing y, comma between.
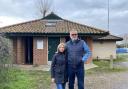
x: 73, y: 30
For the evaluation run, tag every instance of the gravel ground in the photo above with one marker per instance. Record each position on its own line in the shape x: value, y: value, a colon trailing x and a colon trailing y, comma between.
x: 107, y: 81
x: 115, y: 80
x: 121, y: 64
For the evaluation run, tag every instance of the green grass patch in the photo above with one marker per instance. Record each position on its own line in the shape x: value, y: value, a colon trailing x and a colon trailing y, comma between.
x: 35, y: 79
x: 103, y: 67
x: 17, y: 79
x: 24, y: 79
x: 122, y: 57
x: 41, y: 79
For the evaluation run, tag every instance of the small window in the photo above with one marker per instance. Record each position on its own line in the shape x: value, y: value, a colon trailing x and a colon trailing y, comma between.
x: 39, y: 44
x: 50, y: 24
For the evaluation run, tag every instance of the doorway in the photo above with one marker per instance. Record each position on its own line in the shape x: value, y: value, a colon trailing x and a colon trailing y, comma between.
x: 52, y: 47
x: 28, y: 50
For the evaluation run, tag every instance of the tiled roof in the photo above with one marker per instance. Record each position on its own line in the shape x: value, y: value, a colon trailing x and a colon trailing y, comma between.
x: 110, y: 37
x: 60, y: 26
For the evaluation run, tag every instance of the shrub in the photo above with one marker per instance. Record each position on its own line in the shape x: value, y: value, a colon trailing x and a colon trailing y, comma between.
x: 5, y: 59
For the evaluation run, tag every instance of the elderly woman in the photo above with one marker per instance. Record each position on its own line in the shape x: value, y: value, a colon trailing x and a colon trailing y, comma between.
x: 58, y: 67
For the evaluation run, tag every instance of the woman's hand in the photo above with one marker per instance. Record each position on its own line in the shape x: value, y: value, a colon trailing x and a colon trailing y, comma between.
x: 53, y: 80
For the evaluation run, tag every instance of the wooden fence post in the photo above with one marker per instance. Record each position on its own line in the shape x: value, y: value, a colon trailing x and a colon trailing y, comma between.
x: 111, y: 61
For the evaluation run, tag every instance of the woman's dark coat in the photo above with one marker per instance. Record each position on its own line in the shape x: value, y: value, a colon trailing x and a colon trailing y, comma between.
x: 58, y: 68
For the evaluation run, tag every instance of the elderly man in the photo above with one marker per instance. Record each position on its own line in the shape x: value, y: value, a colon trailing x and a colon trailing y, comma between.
x: 77, y: 52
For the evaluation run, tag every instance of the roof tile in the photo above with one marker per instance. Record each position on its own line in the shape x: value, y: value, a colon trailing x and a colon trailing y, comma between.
x: 39, y: 26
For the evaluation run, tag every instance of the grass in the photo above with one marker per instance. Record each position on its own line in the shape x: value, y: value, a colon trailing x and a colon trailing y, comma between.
x: 17, y: 80
x: 122, y: 57
x: 21, y: 79
x: 41, y: 79
x: 104, y: 65
x: 24, y: 79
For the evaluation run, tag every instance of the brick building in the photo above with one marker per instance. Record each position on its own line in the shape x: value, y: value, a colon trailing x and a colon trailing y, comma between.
x: 35, y: 42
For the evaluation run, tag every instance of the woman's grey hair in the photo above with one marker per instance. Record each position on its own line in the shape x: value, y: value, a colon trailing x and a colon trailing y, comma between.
x: 61, y: 44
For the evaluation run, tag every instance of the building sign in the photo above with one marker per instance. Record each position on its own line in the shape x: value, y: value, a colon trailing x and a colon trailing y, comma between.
x: 40, y: 44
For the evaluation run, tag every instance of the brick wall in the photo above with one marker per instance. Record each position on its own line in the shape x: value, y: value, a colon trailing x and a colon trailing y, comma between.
x: 20, y: 51
x: 40, y: 56
x: 90, y: 44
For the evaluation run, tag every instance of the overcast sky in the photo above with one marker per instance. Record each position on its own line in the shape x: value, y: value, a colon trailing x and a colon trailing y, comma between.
x: 89, y: 12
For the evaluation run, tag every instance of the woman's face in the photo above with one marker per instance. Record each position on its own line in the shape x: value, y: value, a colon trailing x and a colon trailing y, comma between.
x: 61, y: 48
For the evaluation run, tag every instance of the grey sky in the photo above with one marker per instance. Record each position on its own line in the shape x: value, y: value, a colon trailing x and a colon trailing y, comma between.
x: 90, y: 12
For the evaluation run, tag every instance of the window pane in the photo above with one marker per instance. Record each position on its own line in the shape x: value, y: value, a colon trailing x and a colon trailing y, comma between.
x: 39, y: 44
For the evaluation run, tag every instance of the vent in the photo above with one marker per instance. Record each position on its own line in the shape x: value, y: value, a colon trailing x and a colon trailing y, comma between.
x: 51, y: 23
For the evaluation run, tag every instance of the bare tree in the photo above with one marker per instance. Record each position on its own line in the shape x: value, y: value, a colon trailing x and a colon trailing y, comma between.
x: 44, y: 6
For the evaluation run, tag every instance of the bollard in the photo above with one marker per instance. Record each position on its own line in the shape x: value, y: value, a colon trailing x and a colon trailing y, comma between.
x: 97, y: 58
x: 111, y: 61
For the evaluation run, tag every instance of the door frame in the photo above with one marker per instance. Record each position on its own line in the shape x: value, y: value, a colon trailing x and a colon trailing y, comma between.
x: 30, y: 39
x: 49, y: 62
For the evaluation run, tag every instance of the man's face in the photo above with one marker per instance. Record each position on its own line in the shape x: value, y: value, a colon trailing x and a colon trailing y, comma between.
x: 74, y: 35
